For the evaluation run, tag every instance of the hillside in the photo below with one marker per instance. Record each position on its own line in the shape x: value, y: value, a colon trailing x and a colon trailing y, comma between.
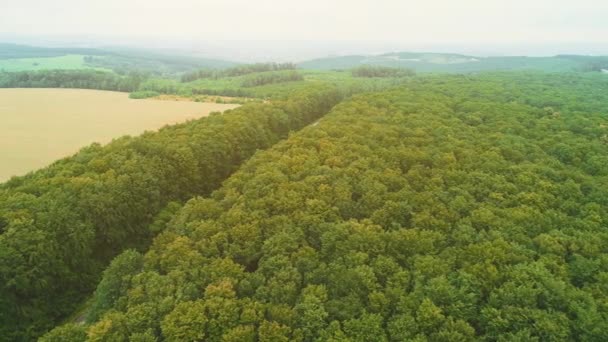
x: 15, y: 51
x: 455, y: 63
x: 15, y: 57
x: 453, y: 208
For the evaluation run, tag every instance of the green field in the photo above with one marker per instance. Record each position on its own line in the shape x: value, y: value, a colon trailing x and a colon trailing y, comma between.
x: 45, y: 63
x: 60, y: 121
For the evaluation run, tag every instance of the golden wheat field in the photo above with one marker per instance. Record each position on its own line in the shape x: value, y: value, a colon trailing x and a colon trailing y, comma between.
x: 38, y: 126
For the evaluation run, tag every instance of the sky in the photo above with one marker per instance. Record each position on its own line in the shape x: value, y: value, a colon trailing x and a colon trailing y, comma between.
x: 503, y: 26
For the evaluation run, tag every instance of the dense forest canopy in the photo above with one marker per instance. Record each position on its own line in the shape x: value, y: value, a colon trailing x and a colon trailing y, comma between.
x: 271, y: 78
x: 453, y: 208
x: 236, y: 71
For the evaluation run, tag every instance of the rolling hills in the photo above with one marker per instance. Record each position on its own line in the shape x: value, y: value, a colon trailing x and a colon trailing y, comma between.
x: 455, y: 63
x: 15, y: 57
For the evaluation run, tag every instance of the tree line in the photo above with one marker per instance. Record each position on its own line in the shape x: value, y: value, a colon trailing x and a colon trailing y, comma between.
x: 83, y: 79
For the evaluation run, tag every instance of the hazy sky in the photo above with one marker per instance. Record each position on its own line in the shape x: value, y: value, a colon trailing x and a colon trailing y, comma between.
x: 430, y: 22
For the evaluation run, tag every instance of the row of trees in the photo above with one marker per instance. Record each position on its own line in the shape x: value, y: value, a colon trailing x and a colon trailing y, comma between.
x: 271, y: 78
x: 381, y: 71
x: 61, y: 225
x: 84, y: 79
x: 448, y: 210
x: 236, y: 71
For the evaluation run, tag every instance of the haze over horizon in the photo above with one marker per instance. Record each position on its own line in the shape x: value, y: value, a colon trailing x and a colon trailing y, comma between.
x: 249, y: 30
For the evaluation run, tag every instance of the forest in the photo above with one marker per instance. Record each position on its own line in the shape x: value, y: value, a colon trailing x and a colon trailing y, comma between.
x: 81, y: 79
x: 236, y: 71
x: 449, y: 208
x: 271, y: 78
x: 61, y: 225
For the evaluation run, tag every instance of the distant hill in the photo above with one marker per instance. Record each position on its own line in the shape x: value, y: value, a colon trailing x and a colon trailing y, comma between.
x: 456, y: 63
x: 177, y: 61
x: 13, y: 51
x: 120, y: 60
